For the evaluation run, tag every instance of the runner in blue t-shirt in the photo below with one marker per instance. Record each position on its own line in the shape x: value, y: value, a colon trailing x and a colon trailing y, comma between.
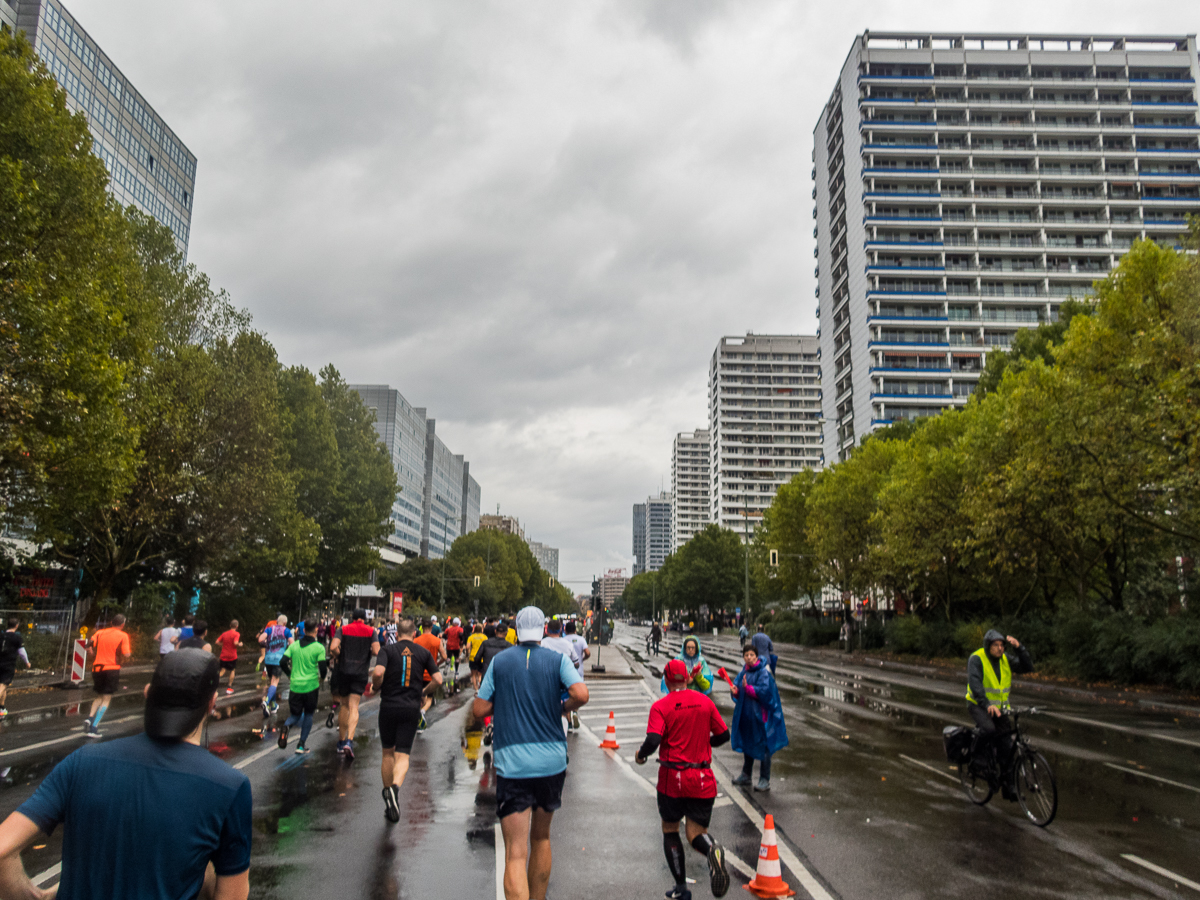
x: 275, y: 640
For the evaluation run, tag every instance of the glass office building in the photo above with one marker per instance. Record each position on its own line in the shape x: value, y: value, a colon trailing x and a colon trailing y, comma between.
x: 438, y: 498
x: 148, y: 165
x: 966, y: 185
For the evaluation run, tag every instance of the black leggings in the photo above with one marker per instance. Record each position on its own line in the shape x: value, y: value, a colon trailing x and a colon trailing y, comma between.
x: 998, y: 730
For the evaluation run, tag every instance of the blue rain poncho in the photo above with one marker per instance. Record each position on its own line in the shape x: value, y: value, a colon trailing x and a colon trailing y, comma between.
x: 758, y: 728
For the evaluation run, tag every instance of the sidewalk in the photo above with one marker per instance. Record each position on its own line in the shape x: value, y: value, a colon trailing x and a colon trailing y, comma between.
x: 612, y: 657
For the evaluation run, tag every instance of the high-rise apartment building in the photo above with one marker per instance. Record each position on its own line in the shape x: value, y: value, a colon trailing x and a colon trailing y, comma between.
x: 640, y: 551
x: 149, y: 167
x: 965, y: 185
x: 611, y: 585
x: 651, y: 533
x: 437, y: 493
x: 689, y: 485
x: 507, y: 524
x: 764, y: 401
x: 547, y: 557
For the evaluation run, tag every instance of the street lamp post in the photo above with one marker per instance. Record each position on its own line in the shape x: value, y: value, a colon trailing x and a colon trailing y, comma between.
x: 746, y: 529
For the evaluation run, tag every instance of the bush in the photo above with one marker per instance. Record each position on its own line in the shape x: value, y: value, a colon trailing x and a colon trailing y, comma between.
x: 789, y: 628
x: 969, y: 636
x: 903, y: 634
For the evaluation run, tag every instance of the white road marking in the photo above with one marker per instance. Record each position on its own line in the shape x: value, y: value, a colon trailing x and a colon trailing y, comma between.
x: 934, y: 769
x: 41, y: 878
x: 76, y: 733
x: 1178, y: 784
x: 499, y: 863
x: 1126, y: 729
x: 803, y: 875
x: 1165, y: 873
x: 254, y: 757
x: 826, y: 721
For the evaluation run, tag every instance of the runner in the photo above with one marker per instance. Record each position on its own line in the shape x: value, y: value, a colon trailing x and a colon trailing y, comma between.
x: 454, y: 642
x: 230, y: 641
x: 510, y: 633
x: 432, y: 627
x: 473, y: 643
x: 11, y: 649
x: 352, y: 648
x: 556, y: 642
x: 199, y: 638
x: 305, y: 664
x: 110, y: 645
x: 186, y: 630
x: 684, y: 726
x: 431, y: 642
x: 167, y: 637
x: 581, y: 646
x: 275, y: 640
x: 262, y: 650
x: 400, y: 695
x: 387, y: 633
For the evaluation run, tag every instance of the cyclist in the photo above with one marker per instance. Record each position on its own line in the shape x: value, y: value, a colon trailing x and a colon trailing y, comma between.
x: 275, y: 640
x: 684, y: 726
x: 353, y: 646
x: 989, y: 681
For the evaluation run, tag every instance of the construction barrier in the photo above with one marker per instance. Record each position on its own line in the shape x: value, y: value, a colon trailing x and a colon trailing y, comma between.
x: 79, y: 662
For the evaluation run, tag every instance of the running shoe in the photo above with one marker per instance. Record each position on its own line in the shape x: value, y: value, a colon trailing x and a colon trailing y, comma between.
x: 742, y: 779
x: 283, y: 731
x: 763, y: 785
x: 266, y: 708
x: 391, y: 803
x: 274, y: 706
x: 91, y: 732
x: 258, y: 667
x: 718, y: 877
x: 301, y: 749
x: 679, y: 892
x: 3, y: 711
x: 575, y: 720
x: 228, y: 690
x: 421, y: 726
x: 348, y: 753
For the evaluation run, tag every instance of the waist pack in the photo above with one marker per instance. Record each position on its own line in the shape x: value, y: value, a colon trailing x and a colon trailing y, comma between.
x: 679, y: 766
x: 957, y: 741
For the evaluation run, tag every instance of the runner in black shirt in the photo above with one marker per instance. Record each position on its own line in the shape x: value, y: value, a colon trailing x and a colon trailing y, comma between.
x: 352, y: 647
x: 398, y: 676
x: 10, y: 649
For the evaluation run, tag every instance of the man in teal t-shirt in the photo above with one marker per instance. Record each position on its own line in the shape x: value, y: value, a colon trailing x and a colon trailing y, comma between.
x: 305, y: 664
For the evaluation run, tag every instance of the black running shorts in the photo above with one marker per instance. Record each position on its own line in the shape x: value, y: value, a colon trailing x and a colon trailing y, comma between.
x: 514, y: 795
x: 7, y: 675
x: 346, y: 685
x: 695, y: 809
x: 303, y: 703
x: 398, y: 727
x: 105, y: 681
x: 273, y: 670
x: 229, y: 665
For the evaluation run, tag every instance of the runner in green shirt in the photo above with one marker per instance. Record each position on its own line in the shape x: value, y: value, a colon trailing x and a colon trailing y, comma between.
x: 305, y: 664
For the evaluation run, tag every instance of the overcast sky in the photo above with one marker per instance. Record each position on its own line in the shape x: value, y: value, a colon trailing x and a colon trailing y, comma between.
x: 534, y: 218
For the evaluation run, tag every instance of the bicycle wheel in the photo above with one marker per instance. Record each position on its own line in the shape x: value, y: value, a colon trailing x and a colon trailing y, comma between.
x: 1036, y: 788
x: 977, y: 787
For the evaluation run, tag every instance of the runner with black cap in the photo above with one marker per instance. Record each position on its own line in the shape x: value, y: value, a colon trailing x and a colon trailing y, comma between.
x: 684, y: 726
x: 125, y: 831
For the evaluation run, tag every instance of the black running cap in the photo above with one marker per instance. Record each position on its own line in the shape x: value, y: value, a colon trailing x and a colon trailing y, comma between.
x: 180, y: 690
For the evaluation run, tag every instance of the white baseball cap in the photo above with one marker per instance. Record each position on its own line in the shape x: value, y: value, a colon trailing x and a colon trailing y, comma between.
x: 529, y: 624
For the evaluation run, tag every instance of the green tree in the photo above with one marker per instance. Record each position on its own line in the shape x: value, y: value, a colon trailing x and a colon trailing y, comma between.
x: 706, y: 571
x: 784, y: 529
x: 70, y: 301
x: 1030, y: 344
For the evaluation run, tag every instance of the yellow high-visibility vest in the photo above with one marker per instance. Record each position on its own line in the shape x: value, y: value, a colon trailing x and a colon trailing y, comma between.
x: 997, y: 691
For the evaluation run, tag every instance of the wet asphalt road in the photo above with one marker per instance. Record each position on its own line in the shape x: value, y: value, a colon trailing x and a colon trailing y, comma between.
x: 865, y: 791
x: 862, y: 797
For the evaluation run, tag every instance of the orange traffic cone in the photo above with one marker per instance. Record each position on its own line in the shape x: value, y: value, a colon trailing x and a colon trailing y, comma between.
x: 610, y: 736
x: 768, y: 879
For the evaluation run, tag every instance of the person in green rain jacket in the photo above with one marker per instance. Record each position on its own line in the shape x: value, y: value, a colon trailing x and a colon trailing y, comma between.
x: 700, y: 675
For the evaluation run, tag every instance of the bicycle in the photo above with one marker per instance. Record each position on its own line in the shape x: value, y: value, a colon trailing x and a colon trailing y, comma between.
x: 1029, y: 774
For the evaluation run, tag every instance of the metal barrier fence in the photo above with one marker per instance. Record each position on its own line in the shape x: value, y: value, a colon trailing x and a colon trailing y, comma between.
x: 47, y: 625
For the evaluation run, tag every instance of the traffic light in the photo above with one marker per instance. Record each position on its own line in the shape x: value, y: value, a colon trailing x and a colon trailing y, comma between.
x: 774, y: 557
x: 476, y: 581
x: 551, y: 581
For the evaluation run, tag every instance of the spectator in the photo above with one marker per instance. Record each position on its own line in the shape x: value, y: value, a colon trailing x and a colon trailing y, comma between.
x: 758, y: 728
x: 11, y: 649
x: 125, y: 832
x: 764, y: 647
x: 523, y: 687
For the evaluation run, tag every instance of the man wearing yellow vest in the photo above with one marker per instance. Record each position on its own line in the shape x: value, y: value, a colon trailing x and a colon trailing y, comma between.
x: 989, y: 681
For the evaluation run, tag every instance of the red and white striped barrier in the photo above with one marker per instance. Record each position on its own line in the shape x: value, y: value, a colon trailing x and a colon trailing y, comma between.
x: 79, y: 662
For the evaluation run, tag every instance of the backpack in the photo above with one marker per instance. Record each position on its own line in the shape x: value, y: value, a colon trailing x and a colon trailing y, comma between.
x: 957, y: 741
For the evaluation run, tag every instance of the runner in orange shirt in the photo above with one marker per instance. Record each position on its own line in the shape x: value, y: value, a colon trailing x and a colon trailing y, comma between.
x: 110, y: 646
x: 433, y: 644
